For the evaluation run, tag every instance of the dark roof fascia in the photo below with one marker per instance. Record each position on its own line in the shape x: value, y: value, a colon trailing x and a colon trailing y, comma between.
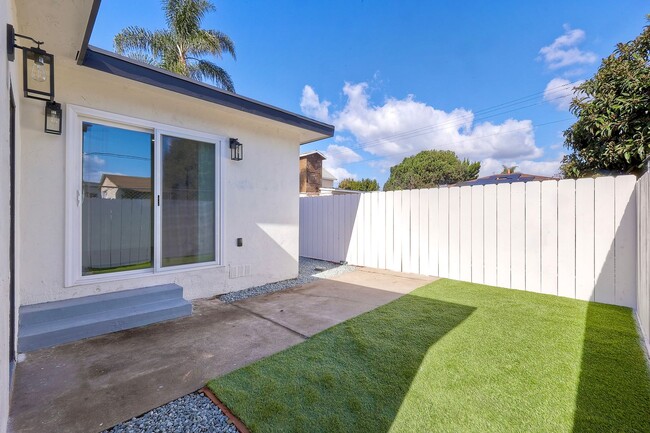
x: 94, y: 10
x: 106, y: 61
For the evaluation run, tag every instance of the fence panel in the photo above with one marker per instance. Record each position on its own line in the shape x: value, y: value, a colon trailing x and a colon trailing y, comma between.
x: 569, y: 238
x: 643, y: 276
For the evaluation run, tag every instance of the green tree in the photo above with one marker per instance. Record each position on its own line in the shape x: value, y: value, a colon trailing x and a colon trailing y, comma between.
x: 181, y: 47
x: 612, y: 132
x: 431, y: 168
x: 364, y: 184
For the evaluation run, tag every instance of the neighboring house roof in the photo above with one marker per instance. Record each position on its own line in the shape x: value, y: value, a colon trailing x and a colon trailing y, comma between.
x: 112, y: 63
x: 327, y: 175
x: 128, y: 182
x: 313, y: 152
x: 505, y: 178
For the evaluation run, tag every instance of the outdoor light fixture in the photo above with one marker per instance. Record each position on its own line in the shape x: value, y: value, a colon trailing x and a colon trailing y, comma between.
x: 236, y: 150
x: 38, y: 67
x: 53, y: 117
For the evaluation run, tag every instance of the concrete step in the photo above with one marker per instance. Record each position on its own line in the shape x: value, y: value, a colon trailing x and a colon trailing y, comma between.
x: 54, y: 323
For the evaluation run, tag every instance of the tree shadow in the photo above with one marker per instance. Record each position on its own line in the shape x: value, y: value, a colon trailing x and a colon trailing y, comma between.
x: 614, y: 385
x: 356, y: 374
x: 613, y: 392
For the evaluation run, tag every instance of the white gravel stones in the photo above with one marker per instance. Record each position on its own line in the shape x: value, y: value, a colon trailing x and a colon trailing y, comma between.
x: 193, y: 413
x: 310, y: 270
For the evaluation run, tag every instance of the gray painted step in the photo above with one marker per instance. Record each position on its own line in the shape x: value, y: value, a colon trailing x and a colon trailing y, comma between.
x: 53, y: 323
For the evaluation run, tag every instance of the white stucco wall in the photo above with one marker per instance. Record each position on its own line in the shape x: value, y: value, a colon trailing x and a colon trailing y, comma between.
x: 7, y: 78
x: 260, y: 204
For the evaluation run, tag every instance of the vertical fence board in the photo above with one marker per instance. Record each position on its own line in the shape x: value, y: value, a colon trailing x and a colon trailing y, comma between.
x: 406, y: 231
x: 443, y: 232
x: 342, y: 232
x: 604, y: 232
x: 390, y: 222
x: 566, y: 233
x: 454, y: 233
x: 626, y: 240
x: 503, y: 235
x: 425, y: 265
x: 373, y: 259
x: 381, y: 230
x: 643, y: 268
x: 549, y: 240
x: 352, y: 257
x: 585, y: 239
x: 518, y: 236
x: 330, y: 227
x: 477, y: 234
x: 414, y: 211
x: 302, y: 228
x: 399, y: 231
x: 533, y: 237
x: 368, y: 253
x: 490, y: 235
x: 465, y: 219
x: 433, y: 231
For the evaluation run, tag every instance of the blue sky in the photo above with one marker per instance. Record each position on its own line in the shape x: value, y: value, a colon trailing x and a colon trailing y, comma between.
x: 489, y: 80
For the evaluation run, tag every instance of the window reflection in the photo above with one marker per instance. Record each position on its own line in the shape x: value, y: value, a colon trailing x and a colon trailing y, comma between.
x: 117, y: 220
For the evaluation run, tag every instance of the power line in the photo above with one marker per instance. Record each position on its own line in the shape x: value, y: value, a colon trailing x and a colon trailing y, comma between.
x: 461, y: 119
x: 461, y: 141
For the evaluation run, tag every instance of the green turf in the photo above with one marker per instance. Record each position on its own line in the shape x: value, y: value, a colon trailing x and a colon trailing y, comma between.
x: 455, y: 357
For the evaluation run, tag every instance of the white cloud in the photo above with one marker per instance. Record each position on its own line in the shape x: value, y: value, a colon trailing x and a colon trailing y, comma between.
x: 341, y: 173
x: 560, y: 91
x: 336, y: 157
x: 490, y: 166
x: 311, y: 105
x: 564, y: 51
x: 93, y: 168
x: 403, y: 127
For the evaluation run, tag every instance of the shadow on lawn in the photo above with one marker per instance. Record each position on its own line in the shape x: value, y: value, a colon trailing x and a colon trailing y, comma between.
x: 352, y: 377
x: 614, y: 387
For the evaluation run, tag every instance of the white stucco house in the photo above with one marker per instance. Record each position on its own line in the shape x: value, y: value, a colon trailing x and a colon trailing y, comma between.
x: 199, y: 220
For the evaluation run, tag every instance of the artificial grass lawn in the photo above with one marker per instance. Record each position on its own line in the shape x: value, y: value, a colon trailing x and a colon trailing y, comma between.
x: 455, y: 357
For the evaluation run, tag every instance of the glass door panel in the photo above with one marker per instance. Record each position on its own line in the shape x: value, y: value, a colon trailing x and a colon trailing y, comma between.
x: 188, y: 201
x: 117, y: 202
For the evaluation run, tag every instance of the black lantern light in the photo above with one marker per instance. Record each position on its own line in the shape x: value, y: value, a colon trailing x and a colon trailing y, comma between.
x: 38, y: 67
x: 53, y: 117
x: 236, y: 150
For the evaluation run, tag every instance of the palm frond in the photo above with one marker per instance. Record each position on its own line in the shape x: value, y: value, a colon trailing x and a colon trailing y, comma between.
x: 184, y: 16
x: 211, y: 42
x: 204, y: 70
x: 132, y: 39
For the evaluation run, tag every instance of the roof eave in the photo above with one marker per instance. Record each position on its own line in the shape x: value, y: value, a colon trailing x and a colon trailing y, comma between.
x: 112, y: 63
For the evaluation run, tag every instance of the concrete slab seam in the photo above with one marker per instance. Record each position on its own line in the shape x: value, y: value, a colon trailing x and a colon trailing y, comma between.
x: 306, y: 337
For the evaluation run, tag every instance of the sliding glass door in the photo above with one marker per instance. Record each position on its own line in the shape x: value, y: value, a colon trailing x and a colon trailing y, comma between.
x: 188, y: 201
x: 143, y: 198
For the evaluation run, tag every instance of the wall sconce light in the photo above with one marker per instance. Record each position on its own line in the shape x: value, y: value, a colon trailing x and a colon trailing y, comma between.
x: 53, y: 117
x: 38, y: 67
x: 236, y: 150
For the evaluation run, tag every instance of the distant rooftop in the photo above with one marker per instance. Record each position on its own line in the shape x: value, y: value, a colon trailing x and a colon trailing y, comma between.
x: 505, y: 178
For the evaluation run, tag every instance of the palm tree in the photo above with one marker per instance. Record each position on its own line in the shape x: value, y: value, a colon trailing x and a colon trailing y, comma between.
x: 509, y: 170
x: 181, y: 47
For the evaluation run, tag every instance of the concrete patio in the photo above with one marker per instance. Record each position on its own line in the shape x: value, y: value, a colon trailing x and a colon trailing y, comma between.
x: 93, y: 384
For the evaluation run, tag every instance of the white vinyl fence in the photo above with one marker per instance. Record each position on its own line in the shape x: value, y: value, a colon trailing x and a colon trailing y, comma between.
x: 643, y: 281
x: 574, y: 238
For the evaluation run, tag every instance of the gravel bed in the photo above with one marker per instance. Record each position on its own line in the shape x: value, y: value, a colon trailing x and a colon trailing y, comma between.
x: 310, y: 270
x: 193, y: 413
